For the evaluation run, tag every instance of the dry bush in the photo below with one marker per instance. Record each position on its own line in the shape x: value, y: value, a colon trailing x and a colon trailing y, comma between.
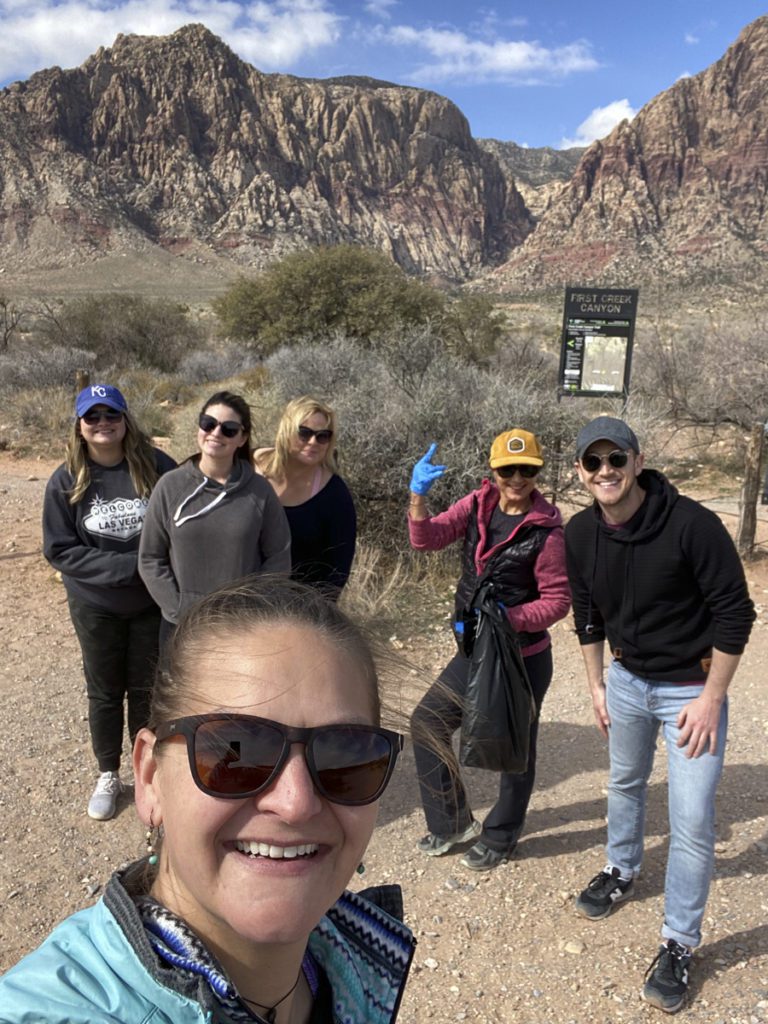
x: 376, y: 585
x: 203, y: 366
x: 36, y: 420
x: 402, y: 393
x: 40, y: 366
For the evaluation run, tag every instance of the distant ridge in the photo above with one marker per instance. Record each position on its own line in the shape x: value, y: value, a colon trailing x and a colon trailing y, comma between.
x: 680, y: 192
x: 174, y: 145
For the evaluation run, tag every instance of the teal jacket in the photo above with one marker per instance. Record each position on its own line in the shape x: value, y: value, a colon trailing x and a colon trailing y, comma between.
x: 97, y: 967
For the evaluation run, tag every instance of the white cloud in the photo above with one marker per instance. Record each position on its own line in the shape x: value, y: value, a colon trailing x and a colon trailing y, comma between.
x: 599, y: 123
x: 452, y: 54
x: 272, y: 34
x: 691, y: 39
x: 380, y: 8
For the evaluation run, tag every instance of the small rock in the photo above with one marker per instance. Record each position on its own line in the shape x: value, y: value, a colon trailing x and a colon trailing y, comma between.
x: 431, y: 964
x: 574, y: 946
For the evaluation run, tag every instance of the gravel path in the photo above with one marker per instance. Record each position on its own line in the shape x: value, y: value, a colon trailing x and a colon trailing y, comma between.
x: 503, y: 947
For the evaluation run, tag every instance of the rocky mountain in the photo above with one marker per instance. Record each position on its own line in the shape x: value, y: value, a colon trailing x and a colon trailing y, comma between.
x: 175, y: 142
x: 174, y: 145
x: 537, y: 173
x: 679, y: 193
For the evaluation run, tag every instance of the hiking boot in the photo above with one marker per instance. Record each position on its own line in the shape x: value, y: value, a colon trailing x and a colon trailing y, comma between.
x: 666, y: 986
x: 603, y: 893
x: 482, y: 858
x: 436, y: 846
x: 102, y: 804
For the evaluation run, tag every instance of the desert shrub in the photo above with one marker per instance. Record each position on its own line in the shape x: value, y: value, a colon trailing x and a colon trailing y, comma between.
x: 124, y: 330
x: 404, y: 392
x: 41, y: 366
x: 204, y: 365
x: 321, y: 291
x: 36, y: 420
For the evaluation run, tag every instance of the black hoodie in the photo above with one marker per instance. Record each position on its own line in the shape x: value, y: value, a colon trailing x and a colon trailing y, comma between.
x: 664, y: 588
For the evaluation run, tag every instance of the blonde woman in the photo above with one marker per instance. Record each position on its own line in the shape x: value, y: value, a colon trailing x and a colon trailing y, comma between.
x: 303, y: 470
x: 93, y: 515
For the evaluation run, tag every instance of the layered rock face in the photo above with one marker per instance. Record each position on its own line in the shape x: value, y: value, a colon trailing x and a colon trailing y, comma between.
x: 679, y: 192
x: 538, y: 174
x: 175, y: 141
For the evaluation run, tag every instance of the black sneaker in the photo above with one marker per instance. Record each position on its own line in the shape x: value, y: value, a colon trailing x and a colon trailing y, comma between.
x: 667, y: 977
x: 436, y: 846
x: 603, y: 893
x: 482, y: 858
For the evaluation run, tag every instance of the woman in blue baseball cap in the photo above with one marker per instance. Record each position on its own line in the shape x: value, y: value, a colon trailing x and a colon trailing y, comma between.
x: 92, y: 518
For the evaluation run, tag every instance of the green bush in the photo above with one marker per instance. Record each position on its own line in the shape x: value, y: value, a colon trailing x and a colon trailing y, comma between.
x: 319, y: 292
x: 124, y: 331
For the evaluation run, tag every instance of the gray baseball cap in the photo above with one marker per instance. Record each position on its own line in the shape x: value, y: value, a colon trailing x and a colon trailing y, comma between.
x: 606, y: 428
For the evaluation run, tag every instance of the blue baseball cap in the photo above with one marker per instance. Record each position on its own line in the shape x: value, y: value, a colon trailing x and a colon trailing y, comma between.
x: 100, y: 394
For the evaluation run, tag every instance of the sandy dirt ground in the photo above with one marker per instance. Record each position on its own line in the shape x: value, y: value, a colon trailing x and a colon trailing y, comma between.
x: 502, y: 947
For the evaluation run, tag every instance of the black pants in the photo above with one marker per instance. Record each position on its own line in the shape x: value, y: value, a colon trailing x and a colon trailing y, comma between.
x: 119, y: 656
x: 443, y: 796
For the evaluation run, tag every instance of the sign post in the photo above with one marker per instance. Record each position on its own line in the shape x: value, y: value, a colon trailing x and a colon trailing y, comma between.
x: 598, y: 332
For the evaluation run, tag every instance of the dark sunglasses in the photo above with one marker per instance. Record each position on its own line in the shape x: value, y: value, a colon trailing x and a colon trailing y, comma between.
x: 94, y: 416
x: 321, y: 436
x: 229, y: 428
x: 593, y: 462
x: 236, y: 756
x: 526, y: 471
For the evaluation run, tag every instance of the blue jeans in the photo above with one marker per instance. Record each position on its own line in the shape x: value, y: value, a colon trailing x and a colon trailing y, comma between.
x: 637, y: 708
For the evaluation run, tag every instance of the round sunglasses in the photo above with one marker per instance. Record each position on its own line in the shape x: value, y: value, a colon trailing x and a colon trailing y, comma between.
x: 593, y: 461
x: 236, y: 756
x: 229, y: 428
x: 94, y: 416
x: 321, y: 436
x: 526, y: 471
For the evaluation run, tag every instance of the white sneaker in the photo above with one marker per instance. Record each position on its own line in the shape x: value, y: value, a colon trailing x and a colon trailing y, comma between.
x: 104, y: 800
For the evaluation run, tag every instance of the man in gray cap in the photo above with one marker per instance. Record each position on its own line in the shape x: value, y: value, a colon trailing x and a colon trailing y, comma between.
x: 657, y: 577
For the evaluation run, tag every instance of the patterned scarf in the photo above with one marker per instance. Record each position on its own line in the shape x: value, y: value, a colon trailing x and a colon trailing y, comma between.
x: 175, y: 943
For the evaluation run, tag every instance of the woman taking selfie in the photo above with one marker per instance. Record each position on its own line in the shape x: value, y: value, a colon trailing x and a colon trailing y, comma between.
x: 303, y: 470
x: 214, y: 519
x: 261, y: 769
x: 93, y: 513
x: 513, y: 540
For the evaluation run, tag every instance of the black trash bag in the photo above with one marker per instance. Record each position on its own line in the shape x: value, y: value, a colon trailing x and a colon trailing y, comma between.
x: 498, y: 704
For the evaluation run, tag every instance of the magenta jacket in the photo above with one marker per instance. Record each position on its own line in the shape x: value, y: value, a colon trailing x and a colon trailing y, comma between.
x: 552, y: 581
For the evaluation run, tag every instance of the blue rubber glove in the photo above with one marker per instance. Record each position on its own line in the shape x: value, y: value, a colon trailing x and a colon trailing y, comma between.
x: 424, y: 473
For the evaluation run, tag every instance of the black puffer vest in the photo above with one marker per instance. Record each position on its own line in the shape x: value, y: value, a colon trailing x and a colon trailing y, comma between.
x: 510, y: 571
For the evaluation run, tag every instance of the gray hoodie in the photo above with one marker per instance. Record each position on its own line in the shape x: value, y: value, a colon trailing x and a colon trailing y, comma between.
x: 199, y: 535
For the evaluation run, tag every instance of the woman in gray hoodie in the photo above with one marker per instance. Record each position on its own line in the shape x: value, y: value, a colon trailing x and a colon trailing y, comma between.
x: 213, y: 520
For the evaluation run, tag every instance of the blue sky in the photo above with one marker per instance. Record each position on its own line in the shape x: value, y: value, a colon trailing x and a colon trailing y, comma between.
x: 540, y: 74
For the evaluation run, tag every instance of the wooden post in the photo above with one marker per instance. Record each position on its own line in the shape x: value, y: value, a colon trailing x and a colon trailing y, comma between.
x: 82, y: 380
x: 750, y: 492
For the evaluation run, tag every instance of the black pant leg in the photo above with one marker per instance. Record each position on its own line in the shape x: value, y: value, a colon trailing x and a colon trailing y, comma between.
x: 103, y: 642
x: 142, y: 653
x: 502, y: 827
x: 439, y: 713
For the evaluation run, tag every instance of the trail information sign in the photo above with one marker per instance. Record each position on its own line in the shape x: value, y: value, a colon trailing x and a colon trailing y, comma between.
x: 598, y: 330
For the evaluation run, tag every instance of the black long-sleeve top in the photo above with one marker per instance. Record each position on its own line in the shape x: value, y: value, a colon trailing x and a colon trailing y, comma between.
x: 664, y: 589
x: 323, y: 536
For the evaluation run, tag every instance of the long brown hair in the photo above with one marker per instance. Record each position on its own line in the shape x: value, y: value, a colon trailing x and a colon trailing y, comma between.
x: 243, y: 410
x: 138, y: 452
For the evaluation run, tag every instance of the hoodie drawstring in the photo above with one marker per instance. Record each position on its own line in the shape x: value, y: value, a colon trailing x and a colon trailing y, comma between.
x: 179, y: 520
